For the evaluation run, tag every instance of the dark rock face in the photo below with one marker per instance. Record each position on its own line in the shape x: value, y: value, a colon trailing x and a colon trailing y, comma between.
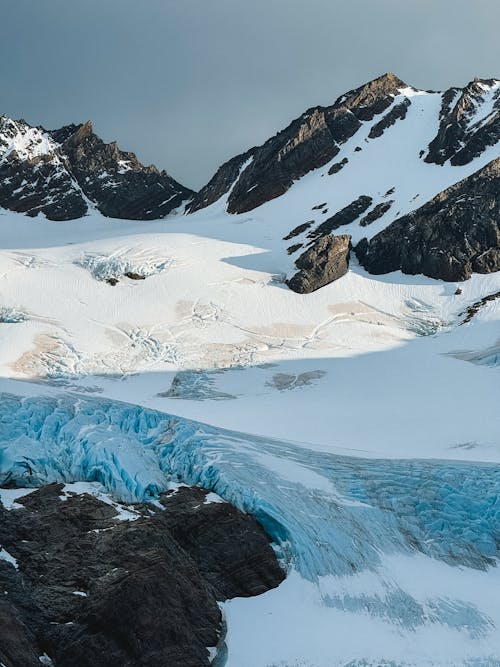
x: 298, y: 230
x: 453, y: 235
x: 337, y: 166
x: 57, y: 173
x: 307, y: 143
x: 92, y: 590
x: 398, y: 112
x: 115, y: 180
x: 345, y: 216
x: 34, y: 177
x: 221, y: 182
x: 325, y: 261
x: 377, y: 212
x: 461, y: 137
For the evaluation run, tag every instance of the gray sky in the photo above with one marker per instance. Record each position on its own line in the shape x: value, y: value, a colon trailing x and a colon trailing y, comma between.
x: 187, y: 84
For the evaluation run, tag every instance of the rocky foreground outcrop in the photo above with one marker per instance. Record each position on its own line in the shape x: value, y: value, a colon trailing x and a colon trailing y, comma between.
x: 325, y: 261
x: 452, y: 236
x: 61, y: 173
x: 85, y: 589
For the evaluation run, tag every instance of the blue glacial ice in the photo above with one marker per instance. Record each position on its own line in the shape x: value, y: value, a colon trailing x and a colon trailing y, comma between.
x: 327, y: 514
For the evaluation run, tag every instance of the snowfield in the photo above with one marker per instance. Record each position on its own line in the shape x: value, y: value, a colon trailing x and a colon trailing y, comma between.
x: 359, y: 424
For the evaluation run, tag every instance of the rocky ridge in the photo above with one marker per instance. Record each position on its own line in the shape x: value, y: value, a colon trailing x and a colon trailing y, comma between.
x: 450, y: 237
x: 309, y: 142
x: 65, y: 172
x: 86, y: 583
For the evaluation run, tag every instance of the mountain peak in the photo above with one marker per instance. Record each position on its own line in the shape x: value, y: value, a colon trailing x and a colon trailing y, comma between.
x: 59, y: 172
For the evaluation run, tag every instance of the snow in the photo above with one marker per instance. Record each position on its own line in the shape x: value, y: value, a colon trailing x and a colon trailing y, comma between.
x: 359, y: 424
x: 28, y: 142
x: 8, y: 497
x: 6, y: 556
x: 122, y: 261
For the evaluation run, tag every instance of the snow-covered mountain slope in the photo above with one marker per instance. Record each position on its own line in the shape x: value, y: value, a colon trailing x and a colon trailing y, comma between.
x: 378, y: 154
x: 66, y: 172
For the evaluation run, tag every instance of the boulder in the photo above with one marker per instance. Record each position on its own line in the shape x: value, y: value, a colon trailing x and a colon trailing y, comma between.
x: 325, y: 261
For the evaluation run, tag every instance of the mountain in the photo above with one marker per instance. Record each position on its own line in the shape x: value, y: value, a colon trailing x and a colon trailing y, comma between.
x: 202, y: 463
x: 375, y: 160
x: 63, y: 173
x: 378, y: 164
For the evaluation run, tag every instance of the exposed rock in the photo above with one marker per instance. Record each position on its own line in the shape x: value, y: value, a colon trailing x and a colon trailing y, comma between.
x: 221, y: 182
x: 92, y: 590
x: 57, y: 173
x: 337, y: 166
x: 377, y: 212
x: 462, y: 136
x: 476, y: 307
x: 116, y: 181
x: 325, y: 261
x: 293, y: 248
x: 298, y: 230
x: 448, y: 238
x: 34, y: 175
x: 345, y: 216
x: 309, y: 142
x: 398, y: 112
x: 134, y: 276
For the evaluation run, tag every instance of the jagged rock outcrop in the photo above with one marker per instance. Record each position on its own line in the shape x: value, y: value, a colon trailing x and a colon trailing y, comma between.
x: 34, y: 176
x: 469, y: 123
x: 59, y: 173
x: 92, y: 590
x: 325, y: 261
x: 453, y: 235
x: 307, y: 143
x: 115, y: 180
x: 345, y: 216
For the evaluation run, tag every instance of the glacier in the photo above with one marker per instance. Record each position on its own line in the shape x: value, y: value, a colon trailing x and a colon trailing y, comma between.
x: 328, y: 515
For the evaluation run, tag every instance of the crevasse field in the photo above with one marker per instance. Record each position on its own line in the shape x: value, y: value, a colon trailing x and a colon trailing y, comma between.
x: 359, y: 424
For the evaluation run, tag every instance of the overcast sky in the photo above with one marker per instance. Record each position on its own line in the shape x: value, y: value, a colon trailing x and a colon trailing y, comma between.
x: 187, y: 84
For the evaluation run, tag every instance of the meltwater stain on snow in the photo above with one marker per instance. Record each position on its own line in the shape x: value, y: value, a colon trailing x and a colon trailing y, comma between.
x: 287, y: 381
x: 329, y: 515
x: 196, y: 386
